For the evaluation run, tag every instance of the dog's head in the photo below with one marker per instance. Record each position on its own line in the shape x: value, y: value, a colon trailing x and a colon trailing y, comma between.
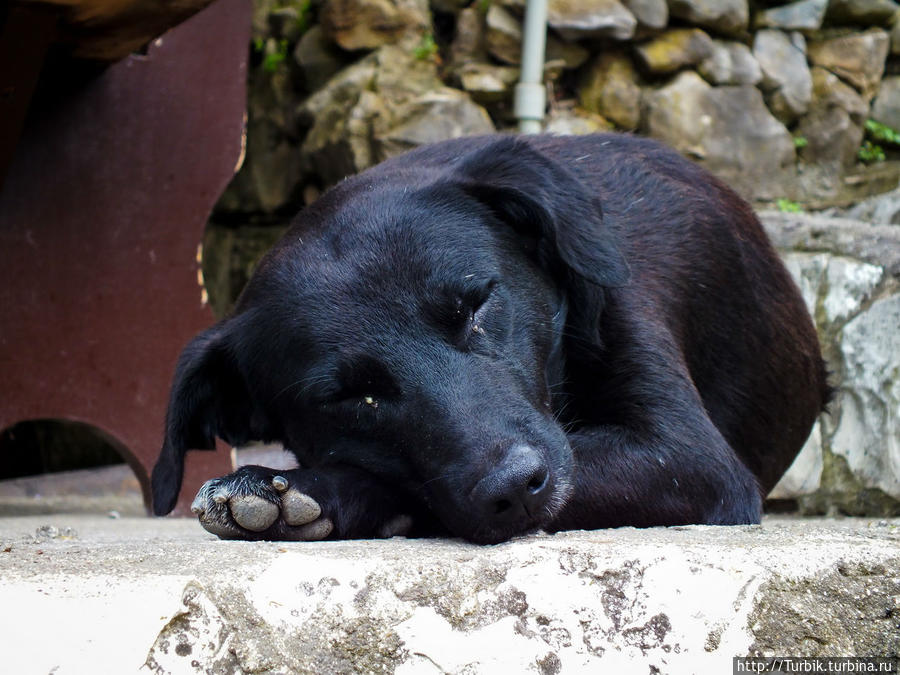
x: 411, y: 324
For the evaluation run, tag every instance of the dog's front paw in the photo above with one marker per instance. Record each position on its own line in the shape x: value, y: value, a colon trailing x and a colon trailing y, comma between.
x: 259, y: 503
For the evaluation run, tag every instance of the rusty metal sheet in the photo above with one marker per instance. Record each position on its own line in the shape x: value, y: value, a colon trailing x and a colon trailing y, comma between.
x: 25, y: 36
x: 101, y: 215
x: 108, y: 30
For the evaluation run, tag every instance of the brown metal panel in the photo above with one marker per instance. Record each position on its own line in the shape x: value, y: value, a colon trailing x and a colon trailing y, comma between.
x: 108, y: 30
x: 101, y: 215
x: 25, y: 37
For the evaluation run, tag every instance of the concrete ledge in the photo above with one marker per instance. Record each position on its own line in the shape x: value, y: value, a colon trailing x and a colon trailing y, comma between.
x: 128, y: 595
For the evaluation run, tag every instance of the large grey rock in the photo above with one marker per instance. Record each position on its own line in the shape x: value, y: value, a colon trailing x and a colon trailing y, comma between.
x: 433, y: 116
x: 270, y: 174
x: 831, y: 137
x: 881, y: 209
x: 381, y: 105
x: 610, y: 86
x: 649, y: 13
x: 168, y: 598
x: 727, y: 129
x: 804, y: 475
x: 486, y: 82
x: 862, y: 12
x: 580, y: 19
x: 468, y: 44
x: 277, y: 18
x: 785, y: 73
x: 833, y: 127
x: 230, y: 255
x: 873, y: 244
x: 723, y: 16
x: 857, y: 58
x: 498, y: 33
x: 318, y: 57
x: 674, y: 49
x: 503, y: 40
x: 802, y: 15
x: 338, y: 142
x: 849, y: 274
x: 563, y: 55
x: 367, y: 24
x: 503, y: 35
x: 886, y: 106
x: 730, y: 63
x: 867, y: 434
x: 830, y: 90
x: 568, y: 120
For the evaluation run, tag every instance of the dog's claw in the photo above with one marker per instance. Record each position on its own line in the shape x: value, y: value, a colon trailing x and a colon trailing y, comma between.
x: 220, y: 496
x: 198, y: 506
x: 279, y: 483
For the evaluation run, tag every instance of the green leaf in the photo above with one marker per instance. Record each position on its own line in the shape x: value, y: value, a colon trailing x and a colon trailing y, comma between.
x: 787, y: 206
x: 870, y: 153
x: 275, y: 57
x: 426, y: 48
x: 882, y: 132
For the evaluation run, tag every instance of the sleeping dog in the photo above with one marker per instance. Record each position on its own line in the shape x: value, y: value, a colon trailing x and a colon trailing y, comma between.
x: 491, y: 336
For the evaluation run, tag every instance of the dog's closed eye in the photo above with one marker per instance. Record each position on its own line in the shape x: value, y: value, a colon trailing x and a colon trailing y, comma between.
x: 468, y: 308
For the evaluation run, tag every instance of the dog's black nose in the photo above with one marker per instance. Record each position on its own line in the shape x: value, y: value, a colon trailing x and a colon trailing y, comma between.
x: 516, y: 490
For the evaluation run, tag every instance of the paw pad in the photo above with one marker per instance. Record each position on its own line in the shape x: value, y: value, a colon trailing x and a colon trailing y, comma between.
x: 298, y: 508
x: 253, y: 513
x: 249, y: 507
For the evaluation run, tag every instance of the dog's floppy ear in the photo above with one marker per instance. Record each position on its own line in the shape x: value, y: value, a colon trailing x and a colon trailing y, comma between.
x: 208, y: 399
x: 540, y: 197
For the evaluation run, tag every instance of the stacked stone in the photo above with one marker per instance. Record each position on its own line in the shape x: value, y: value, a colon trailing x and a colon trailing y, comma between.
x: 753, y: 94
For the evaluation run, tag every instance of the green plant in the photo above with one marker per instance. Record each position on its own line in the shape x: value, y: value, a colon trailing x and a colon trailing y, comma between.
x: 870, y: 153
x: 304, y: 18
x: 882, y: 132
x: 800, y: 142
x: 426, y: 49
x: 788, y: 206
x: 275, y: 57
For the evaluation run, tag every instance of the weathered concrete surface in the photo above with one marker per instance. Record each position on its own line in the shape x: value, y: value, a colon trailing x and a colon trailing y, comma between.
x: 849, y: 274
x: 130, y: 595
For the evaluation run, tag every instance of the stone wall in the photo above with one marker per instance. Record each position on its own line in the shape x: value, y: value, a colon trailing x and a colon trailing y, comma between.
x: 778, y: 99
x: 849, y: 274
x: 773, y: 97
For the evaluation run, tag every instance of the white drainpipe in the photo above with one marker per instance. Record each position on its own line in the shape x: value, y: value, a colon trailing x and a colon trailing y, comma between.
x: 531, y: 95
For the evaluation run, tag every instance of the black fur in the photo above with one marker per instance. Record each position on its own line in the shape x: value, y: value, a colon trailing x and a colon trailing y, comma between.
x: 501, y: 334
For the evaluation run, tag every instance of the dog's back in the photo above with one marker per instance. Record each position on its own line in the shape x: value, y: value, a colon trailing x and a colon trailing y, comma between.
x: 719, y: 285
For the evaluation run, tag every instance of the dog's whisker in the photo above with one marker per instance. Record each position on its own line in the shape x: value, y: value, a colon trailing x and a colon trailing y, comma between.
x: 307, y: 382
x: 451, y: 474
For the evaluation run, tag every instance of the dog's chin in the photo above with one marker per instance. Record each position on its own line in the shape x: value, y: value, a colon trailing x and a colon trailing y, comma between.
x: 494, y: 536
x: 481, y: 532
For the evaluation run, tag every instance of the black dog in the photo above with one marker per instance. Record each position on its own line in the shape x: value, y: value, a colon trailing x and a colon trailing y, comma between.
x: 491, y: 336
